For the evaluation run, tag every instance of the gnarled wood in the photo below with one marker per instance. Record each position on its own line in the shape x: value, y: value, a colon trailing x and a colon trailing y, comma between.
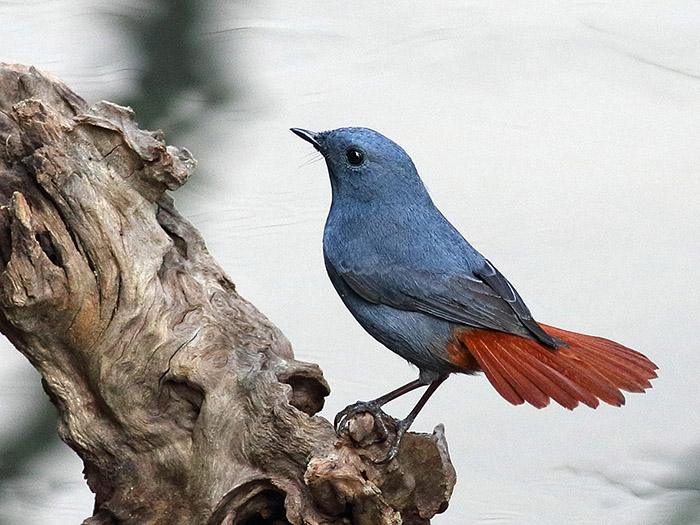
x: 185, y: 403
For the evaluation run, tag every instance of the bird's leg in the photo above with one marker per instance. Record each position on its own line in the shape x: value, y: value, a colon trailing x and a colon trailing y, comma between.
x: 403, y: 425
x: 374, y: 407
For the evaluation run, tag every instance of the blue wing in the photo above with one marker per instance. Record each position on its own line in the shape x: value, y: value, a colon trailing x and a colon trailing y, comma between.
x: 482, y: 298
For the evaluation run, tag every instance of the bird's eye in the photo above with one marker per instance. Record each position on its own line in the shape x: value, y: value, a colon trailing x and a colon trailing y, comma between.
x: 355, y: 156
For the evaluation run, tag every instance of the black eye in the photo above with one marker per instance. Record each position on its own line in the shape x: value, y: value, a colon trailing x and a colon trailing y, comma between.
x: 355, y: 156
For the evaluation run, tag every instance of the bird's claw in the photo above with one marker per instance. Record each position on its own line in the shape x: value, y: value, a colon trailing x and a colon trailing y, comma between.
x: 380, y: 417
x: 401, y: 428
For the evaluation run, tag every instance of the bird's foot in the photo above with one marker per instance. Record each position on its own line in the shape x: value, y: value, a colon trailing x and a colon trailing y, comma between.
x: 381, y: 418
x: 382, y: 423
x: 401, y: 428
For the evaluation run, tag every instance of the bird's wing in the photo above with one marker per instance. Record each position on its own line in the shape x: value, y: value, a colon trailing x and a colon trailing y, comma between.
x: 480, y: 299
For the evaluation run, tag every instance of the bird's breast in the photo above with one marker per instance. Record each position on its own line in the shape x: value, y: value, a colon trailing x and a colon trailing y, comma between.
x: 372, y: 232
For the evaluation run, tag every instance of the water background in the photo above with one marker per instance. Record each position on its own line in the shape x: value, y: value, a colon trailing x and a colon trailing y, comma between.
x: 560, y: 137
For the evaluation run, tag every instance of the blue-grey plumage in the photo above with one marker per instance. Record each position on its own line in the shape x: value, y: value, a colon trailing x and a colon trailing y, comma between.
x: 415, y: 284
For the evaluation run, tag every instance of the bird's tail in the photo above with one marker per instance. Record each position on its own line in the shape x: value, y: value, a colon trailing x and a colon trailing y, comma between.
x: 588, y: 370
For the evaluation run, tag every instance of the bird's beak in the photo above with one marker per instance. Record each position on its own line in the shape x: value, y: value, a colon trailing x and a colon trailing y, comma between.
x: 308, y: 136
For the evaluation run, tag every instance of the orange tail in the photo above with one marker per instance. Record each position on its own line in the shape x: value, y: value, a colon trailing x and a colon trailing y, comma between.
x: 588, y: 370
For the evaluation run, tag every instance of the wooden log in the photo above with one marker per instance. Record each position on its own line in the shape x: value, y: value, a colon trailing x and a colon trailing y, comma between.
x: 184, y: 402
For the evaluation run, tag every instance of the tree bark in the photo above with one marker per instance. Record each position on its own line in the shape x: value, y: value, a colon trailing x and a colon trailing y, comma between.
x: 184, y: 402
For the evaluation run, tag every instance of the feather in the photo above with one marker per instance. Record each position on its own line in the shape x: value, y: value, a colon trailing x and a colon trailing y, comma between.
x: 589, y: 369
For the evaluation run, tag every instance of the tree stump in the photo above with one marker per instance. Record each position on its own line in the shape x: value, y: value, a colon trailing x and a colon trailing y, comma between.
x: 184, y: 402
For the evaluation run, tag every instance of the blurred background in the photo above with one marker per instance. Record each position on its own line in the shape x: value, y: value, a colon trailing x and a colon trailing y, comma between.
x: 560, y: 137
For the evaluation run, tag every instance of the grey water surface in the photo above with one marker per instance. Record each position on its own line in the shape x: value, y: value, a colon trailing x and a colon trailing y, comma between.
x: 560, y: 137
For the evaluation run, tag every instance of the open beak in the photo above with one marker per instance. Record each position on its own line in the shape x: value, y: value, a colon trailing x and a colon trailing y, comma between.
x: 308, y: 136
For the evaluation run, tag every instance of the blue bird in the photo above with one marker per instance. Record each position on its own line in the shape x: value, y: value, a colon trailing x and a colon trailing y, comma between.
x: 418, y: 287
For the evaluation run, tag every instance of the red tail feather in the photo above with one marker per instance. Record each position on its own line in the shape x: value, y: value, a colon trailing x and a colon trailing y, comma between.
x: 588, y: 370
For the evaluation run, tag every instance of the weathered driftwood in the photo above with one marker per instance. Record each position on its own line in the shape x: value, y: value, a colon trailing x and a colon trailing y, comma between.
x: 184, y: 402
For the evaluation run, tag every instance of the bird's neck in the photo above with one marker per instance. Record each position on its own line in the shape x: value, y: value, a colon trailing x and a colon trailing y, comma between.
x: 392, y: 199
x: 349, y: 217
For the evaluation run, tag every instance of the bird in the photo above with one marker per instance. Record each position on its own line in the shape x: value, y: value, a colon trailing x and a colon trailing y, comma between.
x: 415, y: 284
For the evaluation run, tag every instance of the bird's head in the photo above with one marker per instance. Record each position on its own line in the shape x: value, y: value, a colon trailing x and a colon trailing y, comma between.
x: 366, y: 166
